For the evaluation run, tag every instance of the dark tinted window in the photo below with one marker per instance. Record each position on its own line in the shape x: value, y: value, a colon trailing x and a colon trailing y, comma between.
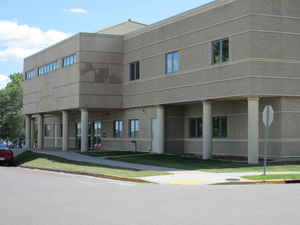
x: 134, y: 70
x: 220, y: 127
x: 220, y: 51
x: 196, y: 127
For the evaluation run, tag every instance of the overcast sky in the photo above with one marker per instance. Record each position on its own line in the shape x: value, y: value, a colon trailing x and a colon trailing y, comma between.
x: 27, y: 26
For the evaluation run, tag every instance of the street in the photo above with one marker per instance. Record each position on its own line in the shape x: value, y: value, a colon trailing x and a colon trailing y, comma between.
x: 32, y: 197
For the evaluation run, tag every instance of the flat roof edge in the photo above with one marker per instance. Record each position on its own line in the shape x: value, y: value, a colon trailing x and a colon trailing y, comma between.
x: 51, y: 46
x: 178, y: 17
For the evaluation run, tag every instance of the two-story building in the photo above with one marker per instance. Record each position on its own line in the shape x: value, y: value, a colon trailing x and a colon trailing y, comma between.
x: 195, y: 83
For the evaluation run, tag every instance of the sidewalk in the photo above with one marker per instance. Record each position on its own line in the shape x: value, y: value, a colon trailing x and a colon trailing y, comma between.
x: 185, y: 177
x: 102, y: 161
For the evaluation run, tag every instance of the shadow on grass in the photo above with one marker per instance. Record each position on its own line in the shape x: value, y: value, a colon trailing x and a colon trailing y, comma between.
x: 186, y: 163
x: 28, y: 157
x: 115, y: 153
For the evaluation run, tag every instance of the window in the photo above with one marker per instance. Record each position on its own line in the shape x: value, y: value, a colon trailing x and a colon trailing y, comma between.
x: 78, y: 129
x: 47, y: 130
x: 220, y: 127
x: 220, y: 51
x: 48, y: 68
x: 69, y: 60
x: 134, y: 70
x: 172, y: 62
x: 97, y: 128
x: 29, y: 75
x: 196, y: 127
x: 133, y: 128
x: 118, y: 128
x: 61, y: 130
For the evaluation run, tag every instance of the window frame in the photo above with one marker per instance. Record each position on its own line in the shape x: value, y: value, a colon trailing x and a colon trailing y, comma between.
x: 198, y: 129
x: 29, y: 75
x: 222, y: 132
x: 133, y: 133
x: 97, y: 126
x: 117, y: 128
x: 221, y: 51
x: 133, y: 68
x: 69, y: 60
x: 47, y: 130
x: 173, y: 68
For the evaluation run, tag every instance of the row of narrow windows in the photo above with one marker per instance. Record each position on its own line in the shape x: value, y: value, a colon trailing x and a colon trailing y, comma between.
x: 195, y: 128
x: 67, y: 61
x: 219, y: 127
x: 133, y: 129
x: 220, y: 54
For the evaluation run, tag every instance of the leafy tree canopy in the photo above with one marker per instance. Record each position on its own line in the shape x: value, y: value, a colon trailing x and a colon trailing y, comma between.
x: 11, y: 109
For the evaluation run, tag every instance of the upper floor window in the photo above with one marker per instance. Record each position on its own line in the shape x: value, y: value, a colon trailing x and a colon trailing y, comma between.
x: 133, y: 128
x: 69, y: 60
x: 134, y: 70
x: 172, y: 62
x: 48, y: 68
x: 220, y: 51
x: 220, y: 127
x: 29, y: 75
x: 118, y: 128
x: 196, y: 127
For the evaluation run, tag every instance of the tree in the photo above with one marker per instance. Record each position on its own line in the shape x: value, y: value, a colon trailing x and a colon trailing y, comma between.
x: 11, y: 109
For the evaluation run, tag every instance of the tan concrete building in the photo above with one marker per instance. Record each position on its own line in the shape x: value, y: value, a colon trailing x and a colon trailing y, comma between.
x: 195, y: 83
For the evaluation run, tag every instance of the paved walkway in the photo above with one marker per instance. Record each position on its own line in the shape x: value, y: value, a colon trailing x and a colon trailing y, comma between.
x: 186, y: 177
x: 102, y: 161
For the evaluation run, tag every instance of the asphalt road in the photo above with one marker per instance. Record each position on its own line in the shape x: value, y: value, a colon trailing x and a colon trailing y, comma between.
x: 30, y: 197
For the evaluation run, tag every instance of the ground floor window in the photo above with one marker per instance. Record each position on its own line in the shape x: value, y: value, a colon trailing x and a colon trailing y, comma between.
x: 220, y: 127
x: 196, y: 127
x: 118, y: 128
x: 133, y: 128
x: 97, y: 128
x: 78, y: 134
x: 47, y: 130
x: 97, y: 132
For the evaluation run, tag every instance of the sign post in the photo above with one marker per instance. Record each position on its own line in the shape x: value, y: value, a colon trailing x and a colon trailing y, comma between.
x: 268, y: 117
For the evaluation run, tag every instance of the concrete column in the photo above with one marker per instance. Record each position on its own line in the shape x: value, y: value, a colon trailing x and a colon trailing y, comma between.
x: 253, y: 130
x: 40, y: 132
x: 207, y: 130
x: 32, y: 133
x: 65, y: 134
x: 27, y: 131
x: 84, y: 130
x: 160, y: 113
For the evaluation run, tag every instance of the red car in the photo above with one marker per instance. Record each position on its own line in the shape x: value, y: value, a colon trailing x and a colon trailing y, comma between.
x: 6, y: 155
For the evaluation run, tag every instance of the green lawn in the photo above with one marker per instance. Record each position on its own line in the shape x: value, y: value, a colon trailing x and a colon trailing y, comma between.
x: 216, y: 166
x: 274, y: 177
x: 52, y: 162
x: 105, y: 154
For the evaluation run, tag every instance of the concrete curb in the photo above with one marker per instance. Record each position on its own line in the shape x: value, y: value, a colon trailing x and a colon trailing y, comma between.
x: 280, y: 181
x: 112, y: 177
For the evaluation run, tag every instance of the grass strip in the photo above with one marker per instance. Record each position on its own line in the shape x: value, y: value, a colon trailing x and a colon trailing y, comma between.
x: 215, y: 166
x: 274, y: 177
x: 43, y: 161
